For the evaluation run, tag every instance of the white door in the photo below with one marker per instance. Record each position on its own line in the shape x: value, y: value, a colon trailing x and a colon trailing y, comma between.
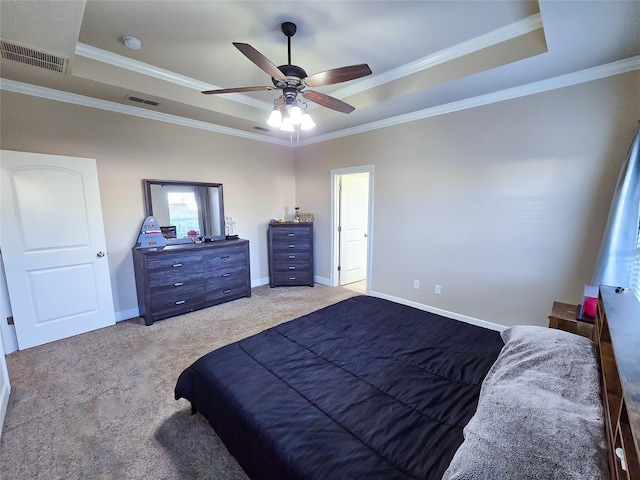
x: 53, y: 246
x: 354, y: 219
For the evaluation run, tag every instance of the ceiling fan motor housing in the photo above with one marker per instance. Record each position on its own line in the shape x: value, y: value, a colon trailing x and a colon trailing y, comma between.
x: 294, y: 75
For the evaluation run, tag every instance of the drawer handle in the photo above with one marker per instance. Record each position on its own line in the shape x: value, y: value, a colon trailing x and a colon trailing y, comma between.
x: 226, y: 257
x: 292, y: 268
x: 623, y: 460
x: 291, y: 257
x: 292, y: 278
x: 181, y: 302
x: 175, y: 265
x: 179, y: 284
x: 292, y: 234
x: 227, y: 291
x: 226, y: 274
x: 291, y: 245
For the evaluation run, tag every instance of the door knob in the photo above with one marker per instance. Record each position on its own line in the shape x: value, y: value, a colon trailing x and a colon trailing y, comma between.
x: 365, y: 235
x: 100, y: 254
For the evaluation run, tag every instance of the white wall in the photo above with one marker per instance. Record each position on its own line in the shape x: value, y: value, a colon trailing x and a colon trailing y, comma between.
x: 502, y: 205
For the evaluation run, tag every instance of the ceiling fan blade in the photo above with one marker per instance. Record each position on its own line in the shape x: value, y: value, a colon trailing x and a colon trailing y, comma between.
x: 338, y: 75
x: 260, y: 60
x: 238, y: 90
x: 328, y: 101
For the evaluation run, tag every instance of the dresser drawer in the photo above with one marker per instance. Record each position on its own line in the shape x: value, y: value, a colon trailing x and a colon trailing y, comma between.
x: 168, y: 305
x: 292, y: 278
x: 291, y: 246
x: 221, y: 293
x: 225, y: 257
x: 234, y: 274
x: 291, y: 266
x: 171, y: 263
x: 175, y: 285
x: 291, y: 233
x: 285, y: 256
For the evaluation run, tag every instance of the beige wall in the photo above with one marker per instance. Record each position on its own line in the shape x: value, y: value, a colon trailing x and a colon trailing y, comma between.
x: 258, y: 178
x: 503, y: 205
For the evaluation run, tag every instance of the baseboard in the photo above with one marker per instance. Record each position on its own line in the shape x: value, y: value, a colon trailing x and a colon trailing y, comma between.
x: 4, y: 402
x: 265, y: 281
x: 259, y: 282
x: 127, y: 314
x: 438, y: 311
x: 322, y: 280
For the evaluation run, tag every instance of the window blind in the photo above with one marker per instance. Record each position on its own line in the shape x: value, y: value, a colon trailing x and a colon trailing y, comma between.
x: 634, y: 281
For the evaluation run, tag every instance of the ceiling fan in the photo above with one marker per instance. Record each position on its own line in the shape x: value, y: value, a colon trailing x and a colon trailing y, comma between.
x: 292, y: 79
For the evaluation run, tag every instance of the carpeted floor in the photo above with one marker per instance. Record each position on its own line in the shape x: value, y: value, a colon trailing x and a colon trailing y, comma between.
x: 101, y: 406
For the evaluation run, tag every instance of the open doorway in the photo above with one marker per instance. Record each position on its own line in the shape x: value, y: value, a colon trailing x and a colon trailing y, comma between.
x: 352, y: 213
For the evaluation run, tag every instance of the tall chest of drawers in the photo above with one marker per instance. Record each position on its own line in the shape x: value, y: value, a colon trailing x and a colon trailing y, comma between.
x: 182, y: 278
x: 290, y: 254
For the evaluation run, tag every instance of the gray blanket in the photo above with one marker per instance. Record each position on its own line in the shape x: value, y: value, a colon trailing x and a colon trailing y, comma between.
x: 539, y: 414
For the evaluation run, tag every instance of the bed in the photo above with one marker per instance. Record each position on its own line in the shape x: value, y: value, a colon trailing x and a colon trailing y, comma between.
x: 369, y: 388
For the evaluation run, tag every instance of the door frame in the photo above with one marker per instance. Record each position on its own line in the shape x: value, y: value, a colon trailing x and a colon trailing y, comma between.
x: 336, y: 173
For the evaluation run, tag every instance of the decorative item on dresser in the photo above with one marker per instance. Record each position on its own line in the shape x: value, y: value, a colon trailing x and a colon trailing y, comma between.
x: 617, y: 340
x: 182, y: 278
x: 290, y: 254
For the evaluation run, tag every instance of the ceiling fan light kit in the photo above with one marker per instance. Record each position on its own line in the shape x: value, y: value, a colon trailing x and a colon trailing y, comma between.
x: 275, y: 119
x: 289, y: 113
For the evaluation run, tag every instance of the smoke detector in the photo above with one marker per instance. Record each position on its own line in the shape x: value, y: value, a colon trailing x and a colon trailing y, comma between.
x: 132, y: 42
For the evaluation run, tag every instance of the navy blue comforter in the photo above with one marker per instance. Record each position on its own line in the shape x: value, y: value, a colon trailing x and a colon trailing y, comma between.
x: 363, y: 389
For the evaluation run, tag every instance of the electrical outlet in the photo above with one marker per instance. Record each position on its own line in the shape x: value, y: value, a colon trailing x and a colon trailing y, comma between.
x: 416, y: 284
x: 438, y: 289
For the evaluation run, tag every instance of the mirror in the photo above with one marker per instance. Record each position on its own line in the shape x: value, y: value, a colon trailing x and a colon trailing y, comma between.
x: 186, y: 209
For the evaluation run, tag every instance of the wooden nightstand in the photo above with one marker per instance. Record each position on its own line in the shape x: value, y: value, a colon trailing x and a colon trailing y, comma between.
x: 564, y: 316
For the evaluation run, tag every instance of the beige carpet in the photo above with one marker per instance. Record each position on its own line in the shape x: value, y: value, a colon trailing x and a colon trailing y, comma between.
x: 101, y: 406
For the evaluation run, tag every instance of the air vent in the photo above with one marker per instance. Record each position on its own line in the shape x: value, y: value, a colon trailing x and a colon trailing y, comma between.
x: 32, y: 56
x: 142, y: 100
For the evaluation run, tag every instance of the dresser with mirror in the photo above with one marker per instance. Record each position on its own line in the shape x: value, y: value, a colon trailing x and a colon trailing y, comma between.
x: 198, y: 267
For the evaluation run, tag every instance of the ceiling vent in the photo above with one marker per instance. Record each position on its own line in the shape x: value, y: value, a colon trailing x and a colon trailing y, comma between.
x: 32, y: 56
x: 142, y: 100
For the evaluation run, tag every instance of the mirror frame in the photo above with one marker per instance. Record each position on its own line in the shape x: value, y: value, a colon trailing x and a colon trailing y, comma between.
x: 147, y: 183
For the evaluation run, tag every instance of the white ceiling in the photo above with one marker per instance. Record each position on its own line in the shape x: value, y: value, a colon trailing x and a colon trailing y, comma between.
x: 427, y: 57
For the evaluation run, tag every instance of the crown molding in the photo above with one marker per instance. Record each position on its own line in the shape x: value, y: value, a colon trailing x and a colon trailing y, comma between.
x: 569, y: 79
x: 509, y: 32
x: 582, y: 76
x: 136, y: 66
x: 66, y: 97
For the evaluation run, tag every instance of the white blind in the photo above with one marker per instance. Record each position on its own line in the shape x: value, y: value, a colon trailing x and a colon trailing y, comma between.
x: 634, y: 281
